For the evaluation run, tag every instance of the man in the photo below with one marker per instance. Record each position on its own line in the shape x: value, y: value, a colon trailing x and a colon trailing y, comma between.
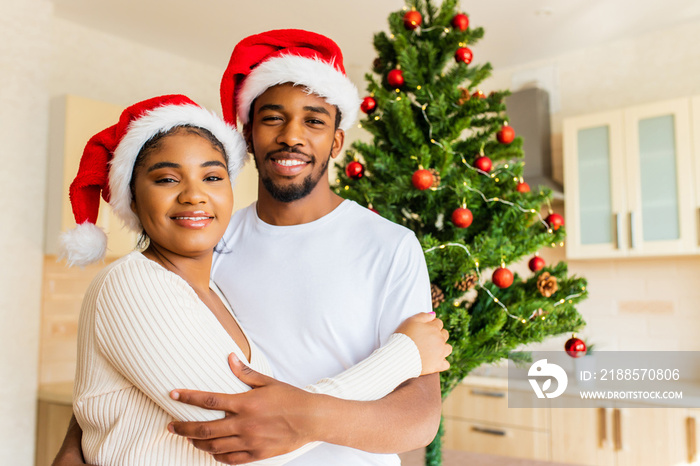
x: 317, y: 282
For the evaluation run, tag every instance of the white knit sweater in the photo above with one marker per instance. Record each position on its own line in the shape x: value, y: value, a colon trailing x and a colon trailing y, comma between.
x: 144, y: 332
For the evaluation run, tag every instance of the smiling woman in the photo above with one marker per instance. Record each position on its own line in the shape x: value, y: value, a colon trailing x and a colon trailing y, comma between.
x: 153, y: 321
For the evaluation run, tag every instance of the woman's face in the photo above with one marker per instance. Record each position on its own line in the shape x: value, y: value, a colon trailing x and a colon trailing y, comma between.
x: 183, y: 195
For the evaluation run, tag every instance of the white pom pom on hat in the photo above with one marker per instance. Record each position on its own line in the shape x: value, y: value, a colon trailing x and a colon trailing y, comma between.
x: 108, y: 161
x: 280, y: 56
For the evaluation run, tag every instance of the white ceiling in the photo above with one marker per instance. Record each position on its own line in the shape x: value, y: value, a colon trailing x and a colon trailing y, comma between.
x: 516, y: 31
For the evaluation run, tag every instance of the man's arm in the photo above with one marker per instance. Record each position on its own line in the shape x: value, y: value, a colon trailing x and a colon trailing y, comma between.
x: 71, y: 453
x: 275, y: 417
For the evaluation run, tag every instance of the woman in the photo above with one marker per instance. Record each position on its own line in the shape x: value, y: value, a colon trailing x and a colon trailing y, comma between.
x: 153, y: 321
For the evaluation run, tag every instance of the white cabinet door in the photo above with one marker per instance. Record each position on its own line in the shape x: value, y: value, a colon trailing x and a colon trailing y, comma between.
x: 660, y: 178
x: 595, y: 195
x: 630, y: 181
x: 695, y: 117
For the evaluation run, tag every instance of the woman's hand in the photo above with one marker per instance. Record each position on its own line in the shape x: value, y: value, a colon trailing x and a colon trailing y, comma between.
x: 430, y: 337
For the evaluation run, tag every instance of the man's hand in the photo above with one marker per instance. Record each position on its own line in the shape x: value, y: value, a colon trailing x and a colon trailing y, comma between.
x: 271, y: 419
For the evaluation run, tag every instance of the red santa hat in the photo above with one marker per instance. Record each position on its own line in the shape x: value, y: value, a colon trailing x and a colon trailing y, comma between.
x: 282, y: 56
x: 108, y: 161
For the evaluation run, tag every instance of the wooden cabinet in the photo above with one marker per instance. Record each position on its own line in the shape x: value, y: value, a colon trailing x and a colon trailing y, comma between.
x: 477, y: 419
x: 618, y: 436
x: 53, y: 416
x: 630, y: 188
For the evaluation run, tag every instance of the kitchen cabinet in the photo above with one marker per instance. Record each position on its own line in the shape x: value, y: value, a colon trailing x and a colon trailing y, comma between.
x: 691, y: 437
x: 477, y: 419
x: 74, y: 120
x: 619, y: 435
x: 630, y: 188
x: 54, y: 412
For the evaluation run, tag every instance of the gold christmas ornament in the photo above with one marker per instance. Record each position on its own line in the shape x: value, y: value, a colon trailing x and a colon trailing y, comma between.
x: 547, y: 285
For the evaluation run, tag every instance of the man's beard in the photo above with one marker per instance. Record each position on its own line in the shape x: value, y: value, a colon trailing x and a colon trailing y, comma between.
x: 293, y: 192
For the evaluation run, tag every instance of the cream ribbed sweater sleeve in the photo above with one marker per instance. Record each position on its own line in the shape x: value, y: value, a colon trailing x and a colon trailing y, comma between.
x: 151, y: 326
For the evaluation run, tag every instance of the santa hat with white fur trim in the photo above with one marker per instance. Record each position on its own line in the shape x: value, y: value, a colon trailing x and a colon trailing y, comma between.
x: 108, y: 161
x: 282, y: 56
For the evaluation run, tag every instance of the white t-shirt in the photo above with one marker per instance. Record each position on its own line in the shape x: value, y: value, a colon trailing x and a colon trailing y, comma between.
x: 319, y: 297
x: 143, y: 332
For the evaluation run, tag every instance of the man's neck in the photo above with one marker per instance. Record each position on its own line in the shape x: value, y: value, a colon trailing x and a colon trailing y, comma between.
x: 320, y: 202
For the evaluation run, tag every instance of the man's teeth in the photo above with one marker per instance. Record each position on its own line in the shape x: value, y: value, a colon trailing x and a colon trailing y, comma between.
x: 289, y: 162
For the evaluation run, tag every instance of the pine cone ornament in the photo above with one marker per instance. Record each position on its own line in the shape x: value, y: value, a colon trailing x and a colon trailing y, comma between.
x: 466, y: 283
x: 464, y: 96
x: 437, y: 295
x: 436, y: 178
x: 547, y: 285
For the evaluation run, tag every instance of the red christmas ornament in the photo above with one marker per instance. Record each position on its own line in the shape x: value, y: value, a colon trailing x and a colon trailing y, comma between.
x: 523, y: 187
x: 460, y: 21
x: 412, y: 20
x: 355, y: 170
x: 395, y: 78
x: 422, y: 179
x: 464, y: 55
x: 554, y: 221
x: 536, y: 263
x: 479, y: 93
x: 462, y: 217
x: 483, y: 163
x: 575, y: 347
x: 502, y: 277
x: 368, y: 105
x: 505, y: 135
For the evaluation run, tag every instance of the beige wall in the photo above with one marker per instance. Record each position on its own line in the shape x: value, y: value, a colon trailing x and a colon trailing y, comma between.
x: 24, y: 75
x: 634, y: 304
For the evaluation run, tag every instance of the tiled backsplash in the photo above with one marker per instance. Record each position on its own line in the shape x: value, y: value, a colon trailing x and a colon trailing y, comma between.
x: 63, y: 290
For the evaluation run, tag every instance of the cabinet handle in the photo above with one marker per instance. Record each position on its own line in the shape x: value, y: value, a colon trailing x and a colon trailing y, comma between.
x: 617, y: 429
x: 633, y: 230
x: 691, y: 433
x: 488, y: 393
x: 618, y: 231
x: 484, y: 430
x: 602, y: 427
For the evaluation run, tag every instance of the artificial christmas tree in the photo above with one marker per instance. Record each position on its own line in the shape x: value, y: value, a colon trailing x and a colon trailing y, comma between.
x: 430, y: 124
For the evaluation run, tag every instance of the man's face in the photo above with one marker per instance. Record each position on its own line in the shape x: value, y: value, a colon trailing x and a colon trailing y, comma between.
x: 292, y: 137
